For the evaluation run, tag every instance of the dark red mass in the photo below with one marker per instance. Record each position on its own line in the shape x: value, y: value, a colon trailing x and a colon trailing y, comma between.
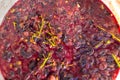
x: 62, y: 39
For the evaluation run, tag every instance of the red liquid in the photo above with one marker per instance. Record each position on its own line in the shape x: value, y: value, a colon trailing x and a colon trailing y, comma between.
x: 78, y: 48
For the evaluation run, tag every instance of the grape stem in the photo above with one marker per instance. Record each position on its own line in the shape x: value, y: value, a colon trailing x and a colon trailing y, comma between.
x: 116, y: 60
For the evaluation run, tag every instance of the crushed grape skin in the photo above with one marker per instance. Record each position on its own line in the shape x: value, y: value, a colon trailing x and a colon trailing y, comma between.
x: 59, y: 38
